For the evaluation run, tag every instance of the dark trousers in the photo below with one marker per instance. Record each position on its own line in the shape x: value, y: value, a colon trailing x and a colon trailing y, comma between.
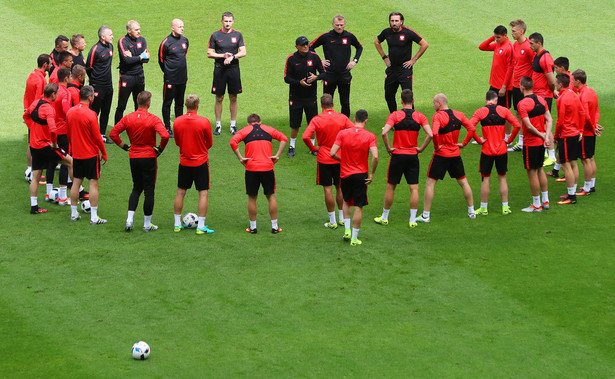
x: 103, y: 96
x: 128, y: 85
x: 395, y: 77
x: 342, y: 82
x: 172, y: 92
x: 143, y: 180
x: 51, y: 170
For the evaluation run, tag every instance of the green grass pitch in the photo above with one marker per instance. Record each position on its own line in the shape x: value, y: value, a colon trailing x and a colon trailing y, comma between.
x: 501, y: 296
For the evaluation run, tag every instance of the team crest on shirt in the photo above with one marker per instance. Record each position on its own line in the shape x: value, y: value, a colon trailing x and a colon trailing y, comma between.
x: 213, y: 89
x: 522, y: 51
x: 169, y: 86
x: 124, y: 84
x: 402, y: 37
x: 310, y: 63
x: 501, y: 51
x: 110, y: 53
x: 326, y: 82
x: 184, y: 46
x: 96, y: 94
x: 233, y: 39
x: 345, y: 41
x: 291, y: 103
x: 139, y: 45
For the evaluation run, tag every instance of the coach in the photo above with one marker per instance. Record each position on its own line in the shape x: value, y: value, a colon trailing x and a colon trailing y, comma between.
x: 98, y: 67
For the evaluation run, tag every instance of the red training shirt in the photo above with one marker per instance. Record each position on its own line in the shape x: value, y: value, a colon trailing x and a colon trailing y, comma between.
x: 41, y: 135
x: 61, y: 105
x: 141, y: 127
x: 533, y: 107
x: 446, y: 132
x: 193, y: 136
x: 493, y: 119
x: 257, y: 138
x: 83, y: 133
x: 570, y: 115
x: 406, y: 124
x: 355, y: 143
x: 523, y: 56
x: 502, y: 60
x: 542, y: 65
x: 589, y: 99
x: 35, y: 84
x: 326, y: 126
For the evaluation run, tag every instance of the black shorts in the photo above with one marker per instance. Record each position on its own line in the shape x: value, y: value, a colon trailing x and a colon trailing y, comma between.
x: 587, y: 147
x: 226, y: 76
x: 549, y: 101
x: 46, y: 156
x: 487, y: 161
x: 517, y: 96
x: 328, y: 174
x: 406, y: 165
x: 440, y: 165
x: 397, y: 76
x: 502, y: 100
x: 296, y: 109
x: 86, y: 168
x: 199, y: 175
x: 354, y: 190
x: 255, y: 178
x: 568, y: 149
x: 533, y: 157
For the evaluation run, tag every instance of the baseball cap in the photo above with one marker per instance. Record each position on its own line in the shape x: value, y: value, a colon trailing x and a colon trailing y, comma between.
x: 301, y: 41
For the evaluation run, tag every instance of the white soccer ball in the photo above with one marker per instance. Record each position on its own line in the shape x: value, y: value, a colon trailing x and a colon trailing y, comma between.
x: 140, y: 351
x: 85, y: 206
x: 190, y: 220
x: 54, y: 194
x: 28, y: 175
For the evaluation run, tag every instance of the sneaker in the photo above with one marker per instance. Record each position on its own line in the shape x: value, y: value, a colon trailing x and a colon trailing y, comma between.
x: 474, y: 142
x: 472, y: 215
x: 35, y: 210
x: 330, y: 225
x: 380, y: 221
x: 291, y: 152
x: 217, y: 130
x: 233, y: 130
x: 64, y: 201
x: 412, y: 224
x: 107, y: 140
x: 482, y: 211
x: 548, y: 162
x: 564, y: 196
x: 347, y: 235
x: 515, y: 148
x: 150, y: 228
x: 583, y: 193
x: 532, y: 209
x: 506, y: 210
x: 341, y: 222
x: 75, y: 218
x: 355, y: 242
x: 170, y: 133
x: 98, y: 221
x: 546, y: 206
x: 593, y: 189
x: 423, y: 219
x: 84, y: 195
x: 205, y: 230
x: 128, y: 227
x: 178, y: 229
x: 569, y: 200
x: 251, y: 231
x: 553, y: 173
x: 276, y: 231
x: 314, y: 153
x: 562, y: 179
x: 42, y: 182
x: 49, y: 200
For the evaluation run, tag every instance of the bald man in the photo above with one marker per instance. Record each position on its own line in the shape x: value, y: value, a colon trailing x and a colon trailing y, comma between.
x: 172, y: 61
x: 446, y: 125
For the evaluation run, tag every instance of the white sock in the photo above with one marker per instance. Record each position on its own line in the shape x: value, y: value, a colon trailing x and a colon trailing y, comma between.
x: 62, y: 193
x: 504, y: 203
x: 536, y: 201
x: 131, y: 217
x: 292, y: 142
x: 346, y: 223
x: 218, y: 124
x: 385, y: 214
x: 355, y: 233
x: 33, y: 201
x: 332, y: 218
x: 557, y: 166
x: 74, y: 212
x: 49, y: 187
x: 593, y: 183
x: 201, y: 224
x: 93, y: 213
x: 426, y: 214
x: 545, y: 197
x: 552, y: 154
x: 506, y: 136
x: 471, y: 209
x: 572, y: 190
x: 587, y: 186
x: 177, y: 219
x: 313, y: 141
x: 252, y: 224
x: 520, y: 139
x: 274, y: 224
x: 413, y: 215
x: 69, y: 180
x: 147, y: 221
x: 483, y: 205
x: 233, y: 123
x: 340, y: 215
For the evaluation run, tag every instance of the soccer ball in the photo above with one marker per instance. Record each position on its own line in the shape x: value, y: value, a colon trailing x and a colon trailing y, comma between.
x: 28, y: 175
x: 85, y: 206
x: 140, y: 351
x: 53, y: 195
x: 190, y: 220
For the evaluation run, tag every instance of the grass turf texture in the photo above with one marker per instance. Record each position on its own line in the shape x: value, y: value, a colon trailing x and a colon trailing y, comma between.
x: 521, y: 295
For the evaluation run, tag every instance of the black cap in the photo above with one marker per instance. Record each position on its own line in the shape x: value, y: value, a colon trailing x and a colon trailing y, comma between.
x: 301, y: 41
